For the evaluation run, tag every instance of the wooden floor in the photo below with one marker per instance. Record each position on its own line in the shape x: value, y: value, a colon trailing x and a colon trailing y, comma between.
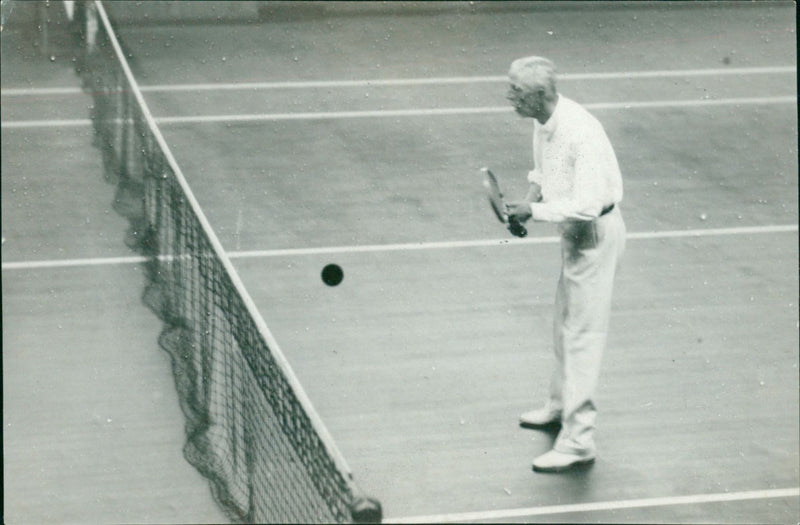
x: 440, y: 334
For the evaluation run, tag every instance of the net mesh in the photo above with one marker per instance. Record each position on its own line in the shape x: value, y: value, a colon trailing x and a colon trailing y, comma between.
x: 250, y: 429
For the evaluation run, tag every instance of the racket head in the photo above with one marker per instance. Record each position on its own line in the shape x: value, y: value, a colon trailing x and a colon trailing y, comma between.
x: 495, y: 195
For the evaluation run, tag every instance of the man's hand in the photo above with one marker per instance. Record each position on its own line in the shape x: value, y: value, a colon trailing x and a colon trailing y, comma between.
x: 516, y: 228
x: 518, y: 211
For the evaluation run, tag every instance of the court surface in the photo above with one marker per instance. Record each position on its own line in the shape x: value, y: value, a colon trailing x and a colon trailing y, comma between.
x: 354, y: 133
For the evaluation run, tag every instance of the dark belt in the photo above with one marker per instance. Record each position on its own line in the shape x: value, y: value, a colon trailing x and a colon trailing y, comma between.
x: 606, y: 210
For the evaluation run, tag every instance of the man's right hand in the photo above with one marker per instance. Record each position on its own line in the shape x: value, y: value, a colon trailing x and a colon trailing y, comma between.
x: 516, y: 228
x: 519, y: 211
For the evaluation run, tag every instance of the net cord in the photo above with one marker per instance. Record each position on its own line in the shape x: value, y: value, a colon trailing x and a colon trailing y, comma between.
x: 263, y: 329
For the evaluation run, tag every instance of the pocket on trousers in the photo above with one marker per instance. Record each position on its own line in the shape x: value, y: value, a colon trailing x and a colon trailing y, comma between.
x: 582, y: 235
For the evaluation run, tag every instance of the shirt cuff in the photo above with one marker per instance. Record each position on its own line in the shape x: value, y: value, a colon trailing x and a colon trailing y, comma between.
x: 546, y: 212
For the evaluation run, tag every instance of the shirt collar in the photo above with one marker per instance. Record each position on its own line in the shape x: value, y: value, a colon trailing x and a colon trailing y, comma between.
x: 548, y: 128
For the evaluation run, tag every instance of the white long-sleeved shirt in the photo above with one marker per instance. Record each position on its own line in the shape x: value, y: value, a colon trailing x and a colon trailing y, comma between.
x: 575, y: 165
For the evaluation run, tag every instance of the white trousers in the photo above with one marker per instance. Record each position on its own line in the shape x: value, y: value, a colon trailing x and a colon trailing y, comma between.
x: 590, y: 254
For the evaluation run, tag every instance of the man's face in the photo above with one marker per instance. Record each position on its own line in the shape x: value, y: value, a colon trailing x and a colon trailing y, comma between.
x: 526, y: 103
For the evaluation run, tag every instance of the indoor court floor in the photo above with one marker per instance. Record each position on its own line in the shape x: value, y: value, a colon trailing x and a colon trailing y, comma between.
x: 354, y: 133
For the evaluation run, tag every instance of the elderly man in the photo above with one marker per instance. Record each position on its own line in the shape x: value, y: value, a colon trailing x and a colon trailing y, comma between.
x: 575, y: 183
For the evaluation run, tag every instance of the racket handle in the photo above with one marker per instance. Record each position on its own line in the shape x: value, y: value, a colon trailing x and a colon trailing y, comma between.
x: 516, y: 228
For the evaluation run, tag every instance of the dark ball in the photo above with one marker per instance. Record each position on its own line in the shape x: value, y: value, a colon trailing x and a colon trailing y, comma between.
x: 332, y: 274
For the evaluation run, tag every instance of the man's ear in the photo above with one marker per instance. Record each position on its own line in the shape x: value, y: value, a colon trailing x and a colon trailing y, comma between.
x: 535, y: 96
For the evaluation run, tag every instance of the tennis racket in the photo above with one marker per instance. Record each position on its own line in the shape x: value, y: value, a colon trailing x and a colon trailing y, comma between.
x: 498, y: 204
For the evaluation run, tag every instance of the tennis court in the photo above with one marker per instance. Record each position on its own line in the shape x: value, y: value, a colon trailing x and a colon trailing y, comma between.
x: 353, y: 133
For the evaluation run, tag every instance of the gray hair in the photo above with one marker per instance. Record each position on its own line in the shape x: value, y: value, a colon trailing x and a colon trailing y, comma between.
x: 533, y: 73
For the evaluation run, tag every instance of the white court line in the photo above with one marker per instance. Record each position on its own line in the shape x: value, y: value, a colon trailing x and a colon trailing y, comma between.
x: 621, y: 75
x: 599, y: 506
x: 64, y: 123
x: 384, y: 113
x: 249, y: 254
x: 500, y: 242
x: 68, y: 263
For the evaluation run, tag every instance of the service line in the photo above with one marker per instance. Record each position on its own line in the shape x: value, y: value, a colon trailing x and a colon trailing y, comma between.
x: 310, y: 84
x: 326, y: 250
x: 424, y: 112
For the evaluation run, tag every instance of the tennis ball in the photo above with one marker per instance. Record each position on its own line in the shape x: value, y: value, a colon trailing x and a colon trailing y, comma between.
x: 332, y: 274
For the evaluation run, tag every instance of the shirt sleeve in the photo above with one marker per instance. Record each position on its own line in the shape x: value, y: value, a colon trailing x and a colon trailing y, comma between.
x: 586, y: 202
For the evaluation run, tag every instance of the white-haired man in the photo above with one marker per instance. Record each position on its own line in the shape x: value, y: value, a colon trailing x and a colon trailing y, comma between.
x: 575, y: 183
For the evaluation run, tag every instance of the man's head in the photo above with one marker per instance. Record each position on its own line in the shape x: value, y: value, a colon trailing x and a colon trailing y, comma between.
x: 532, y: 90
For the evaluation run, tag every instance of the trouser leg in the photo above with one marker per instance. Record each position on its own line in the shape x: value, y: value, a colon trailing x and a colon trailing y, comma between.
x: 555, y: 402
x: 588, y: 268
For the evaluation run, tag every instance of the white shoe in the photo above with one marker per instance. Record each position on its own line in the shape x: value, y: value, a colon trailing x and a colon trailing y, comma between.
x: 555, y: 461
x: 539, y: 418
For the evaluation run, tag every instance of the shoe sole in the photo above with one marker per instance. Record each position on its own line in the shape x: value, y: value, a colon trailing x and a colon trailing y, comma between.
x: 550, y: 425
x: 552, y: 470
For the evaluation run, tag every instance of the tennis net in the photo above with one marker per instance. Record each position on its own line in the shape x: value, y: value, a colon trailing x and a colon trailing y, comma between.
x: 251, y: 429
